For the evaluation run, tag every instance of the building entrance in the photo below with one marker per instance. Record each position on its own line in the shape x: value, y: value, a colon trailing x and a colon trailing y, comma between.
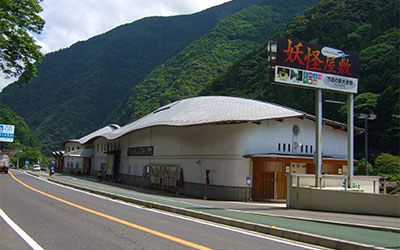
x: 269, y: 180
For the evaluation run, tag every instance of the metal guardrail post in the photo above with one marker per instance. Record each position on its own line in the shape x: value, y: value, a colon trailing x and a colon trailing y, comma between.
x: 374, y: 186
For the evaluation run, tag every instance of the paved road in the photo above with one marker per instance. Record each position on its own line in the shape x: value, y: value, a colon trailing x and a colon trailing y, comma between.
x: 61, y: 218
x: 261, y: 208
x: 261, y: 213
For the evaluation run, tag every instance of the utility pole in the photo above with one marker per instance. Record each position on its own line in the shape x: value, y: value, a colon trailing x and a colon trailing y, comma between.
x: 350, y: 139
x: 366, y: 117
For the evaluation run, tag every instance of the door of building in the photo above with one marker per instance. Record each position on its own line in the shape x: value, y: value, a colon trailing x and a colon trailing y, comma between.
x: 270, y: 184
x: 269, y: 180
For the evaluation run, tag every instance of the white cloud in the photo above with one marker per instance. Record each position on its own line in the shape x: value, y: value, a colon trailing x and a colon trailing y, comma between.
x: 5, y: 81
x: 70, y: 21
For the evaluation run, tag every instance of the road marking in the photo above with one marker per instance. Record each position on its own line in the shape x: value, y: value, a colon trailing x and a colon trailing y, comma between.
x: 199, y: 221
x: 241, y: 231
x: 129, y: 224
x: 20, y: 232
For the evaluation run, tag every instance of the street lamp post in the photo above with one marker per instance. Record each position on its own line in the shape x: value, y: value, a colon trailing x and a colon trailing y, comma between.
x: 366, y: 117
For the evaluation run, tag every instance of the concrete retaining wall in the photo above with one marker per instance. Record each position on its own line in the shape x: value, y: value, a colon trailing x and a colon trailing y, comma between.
x: 343, y: 201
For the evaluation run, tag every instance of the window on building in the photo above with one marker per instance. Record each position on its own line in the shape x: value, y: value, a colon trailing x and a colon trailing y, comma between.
x: 279, y: 147
x: 288, y: 147
x: 301, y: 148
x: 311, y: 151
x: 284, y: 147
x: 306, y: 148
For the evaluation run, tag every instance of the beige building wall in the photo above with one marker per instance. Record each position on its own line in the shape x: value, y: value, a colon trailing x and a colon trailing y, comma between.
x: 219, y: 148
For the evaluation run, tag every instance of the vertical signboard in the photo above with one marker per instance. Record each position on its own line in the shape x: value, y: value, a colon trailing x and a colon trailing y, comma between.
x: 303, y: 64
x: 6, y: 133
x: 315, y: 66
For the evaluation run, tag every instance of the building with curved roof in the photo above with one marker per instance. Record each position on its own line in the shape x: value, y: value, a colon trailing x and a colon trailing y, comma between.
x: 207, y: 110
x: 220, y: 147
x: 80, y: 151
x: 100, y: 132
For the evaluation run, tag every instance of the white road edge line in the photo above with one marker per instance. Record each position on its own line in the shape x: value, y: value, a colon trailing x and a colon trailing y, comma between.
x: 199, y: 221
x: 33, y: 244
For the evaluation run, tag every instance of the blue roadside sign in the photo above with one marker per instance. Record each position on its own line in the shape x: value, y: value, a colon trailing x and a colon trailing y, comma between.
x: 6, y: 133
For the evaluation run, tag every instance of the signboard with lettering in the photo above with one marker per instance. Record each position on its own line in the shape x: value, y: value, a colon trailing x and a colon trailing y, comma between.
x: 6, y: 133
x: 309, y: 65
x: 140, y: 151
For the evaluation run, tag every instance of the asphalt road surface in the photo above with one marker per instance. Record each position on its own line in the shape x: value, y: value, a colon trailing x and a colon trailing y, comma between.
x: 56, y: 217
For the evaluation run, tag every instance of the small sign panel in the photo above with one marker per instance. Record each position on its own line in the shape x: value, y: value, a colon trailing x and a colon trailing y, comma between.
x: 248, y: 180
x: 140, y: 151
x: 6, y: 133
x: 312, y: 79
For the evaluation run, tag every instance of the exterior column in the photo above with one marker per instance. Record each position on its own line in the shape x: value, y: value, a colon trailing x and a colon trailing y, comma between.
x: 318, y: 137
x: 350, y: 139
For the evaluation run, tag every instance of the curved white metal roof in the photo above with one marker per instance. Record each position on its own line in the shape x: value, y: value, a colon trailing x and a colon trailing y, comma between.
x: 207, y: 110
x: 94, y: 134
x: 85, y: 152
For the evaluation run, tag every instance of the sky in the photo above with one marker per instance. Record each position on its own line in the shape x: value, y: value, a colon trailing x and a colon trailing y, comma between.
x: 70, y: 21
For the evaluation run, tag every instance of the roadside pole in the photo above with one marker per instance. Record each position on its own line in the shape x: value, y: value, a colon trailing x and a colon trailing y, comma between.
x: 318, y: 137
x: 350, y: 139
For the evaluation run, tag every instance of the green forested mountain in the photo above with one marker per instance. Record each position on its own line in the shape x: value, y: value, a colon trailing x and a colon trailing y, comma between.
x: 128, y: 72
x: 23, y: 137
x: 78, y: 87
x: 369, y: 27
x: 192, y: 69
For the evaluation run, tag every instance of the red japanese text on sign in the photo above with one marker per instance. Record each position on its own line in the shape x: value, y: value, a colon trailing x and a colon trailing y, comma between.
x: 307, y: 56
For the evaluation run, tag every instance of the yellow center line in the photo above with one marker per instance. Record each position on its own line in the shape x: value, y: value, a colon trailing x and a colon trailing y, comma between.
x: 129, y: 224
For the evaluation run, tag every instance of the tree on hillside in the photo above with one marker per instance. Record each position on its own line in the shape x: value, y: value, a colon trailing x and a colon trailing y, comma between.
x: 31, y: 156
x: 363, y: 103
x: 18, y: 51
x: 388, y: 165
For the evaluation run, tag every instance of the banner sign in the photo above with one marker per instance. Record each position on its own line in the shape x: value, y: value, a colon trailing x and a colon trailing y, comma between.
x: 310, y: 65
x: 140, y: 151
x: 6, y: 133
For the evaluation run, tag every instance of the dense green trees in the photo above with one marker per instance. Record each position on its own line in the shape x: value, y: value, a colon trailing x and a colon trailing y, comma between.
x: 369, y: 27
x: 23, y: 136
x: 87, y: 85
x: 25, y: 141
x: 19, y: 53
x: 194, y: 68
x: 31, y: 156
x: 388, y: 165
x: 81, y: 87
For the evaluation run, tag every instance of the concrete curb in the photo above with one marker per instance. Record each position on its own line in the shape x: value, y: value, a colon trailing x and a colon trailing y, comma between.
x: 271, y: 230
x: 371, y: 227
